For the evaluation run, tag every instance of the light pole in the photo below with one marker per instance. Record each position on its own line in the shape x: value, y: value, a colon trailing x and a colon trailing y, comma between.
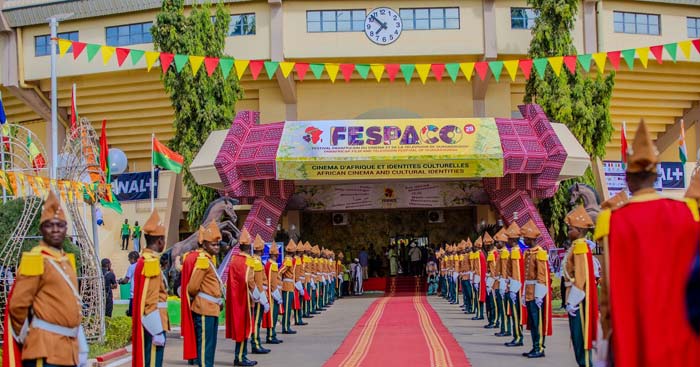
x: 53, y: 24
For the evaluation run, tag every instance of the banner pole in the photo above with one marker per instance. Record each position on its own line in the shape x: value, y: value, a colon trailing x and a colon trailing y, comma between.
x: 153, y: 199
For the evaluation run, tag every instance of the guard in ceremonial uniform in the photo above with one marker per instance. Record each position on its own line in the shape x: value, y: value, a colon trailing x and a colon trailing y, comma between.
x: 306, y: 260
x: 537, y: 290
x: 262, y: 305
x: 457, y: 269
x: 491, y: 274
x: 288, y: 292
x: 274, y: 295
x: 299, y: 292
x: 43, y: 311
x: 649, y: 246
x: 150, y: 318
x: 315, y: 281
x: 204, y: 295
x: 478, y: 266
x: 339, y: 271
x: 467, y: 288
x: 501, y: 285
x: 516, y: 269
x: 581, y: 289
x: 442, y: 260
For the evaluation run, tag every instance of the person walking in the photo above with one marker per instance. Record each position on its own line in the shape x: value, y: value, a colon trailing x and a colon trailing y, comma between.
x: 136, y: 234
x: 415, y: 254
x: 126, y: 230
x: 129, y: 279
x: 110, y: 284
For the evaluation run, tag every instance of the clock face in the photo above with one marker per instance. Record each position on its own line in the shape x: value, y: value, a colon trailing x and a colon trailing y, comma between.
x: 383, y: 26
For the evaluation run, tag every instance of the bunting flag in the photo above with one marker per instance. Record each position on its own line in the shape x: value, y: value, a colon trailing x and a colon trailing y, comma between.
x: 682, y: 149
x: 483, y: 69
x: 23, y: 185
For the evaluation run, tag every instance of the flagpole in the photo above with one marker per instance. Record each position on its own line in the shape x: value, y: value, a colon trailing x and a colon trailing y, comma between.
x: 2, y: 151
x: 153, y: 199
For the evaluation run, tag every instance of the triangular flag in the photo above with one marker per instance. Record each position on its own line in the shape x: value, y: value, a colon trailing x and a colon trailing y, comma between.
x: 496, y: 69
x: 226, y: 64
x: 196, y: 63
x: 241, y: 65
x: 696, y: 43
x: 467, y: 69
x: 684, y: 45
x: 540, y: 66
x: 317, y: 70
x: 556, y: 63
x: 286, y: 67
x: 423, y: 70
x: 271, y: 68
x: 407, y: 71
x: 377, y: 70
x: 481, y: 68
x: 180, y: 62
x: 452, y: 71
x: 301, y: 68
x: 658, y: 52
x: 256, y: 67
x: 136, y: 56
x: 63, y: 46
x: 643, y: 53
x: 438, y: 70
x: 628, y: 55
x: 614, y: 57
x: 122, y: 54
x: 526, y: 67
x: 165, y: 60
x: 511, y: 68
x: 210, y: 64
x: 78, y: 48
x: 585, y: 61
x: 151, y: 57
x: 570, y: 62
x: 392, y: 70
x: 599, y: 58
x: 363, y: 70
x: 332, y: 70
x: 92, y: 51
x: 672, y: 49
x: 346, y: 70
x: 107, y: 52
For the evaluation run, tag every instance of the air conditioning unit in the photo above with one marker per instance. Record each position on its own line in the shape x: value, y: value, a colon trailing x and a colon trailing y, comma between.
x: 436, y: 216
x: 340, y: 219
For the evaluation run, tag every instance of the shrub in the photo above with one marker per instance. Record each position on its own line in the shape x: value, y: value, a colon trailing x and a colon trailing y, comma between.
x: 118, y: 335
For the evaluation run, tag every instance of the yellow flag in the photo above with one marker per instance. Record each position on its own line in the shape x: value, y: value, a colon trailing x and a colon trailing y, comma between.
x: 32, y: 185
x: 512, y: 68
x: 40, y: 184
x: 332, y: 70
x: 377, y: 70
x: 643, y: 53
x: 599, y: 58
x: 63, y: 46
x: 240, y: 65
x: 556, y: 63
x: 151, y: 57
x: 107, y: 52
x: 467, y: 69
x: 286, y: 67
x: 196, y: 63
x: 13, y: 182
x: 423, y: 70
x: 685, y: 47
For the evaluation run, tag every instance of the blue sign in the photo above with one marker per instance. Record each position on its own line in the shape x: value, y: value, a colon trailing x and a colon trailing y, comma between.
x: 134, y: 186
x: 671, y: 176
x: 266, y: 252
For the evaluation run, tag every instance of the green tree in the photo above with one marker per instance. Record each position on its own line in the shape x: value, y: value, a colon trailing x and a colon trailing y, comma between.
x: 579, y: 101
x: 202, y: 104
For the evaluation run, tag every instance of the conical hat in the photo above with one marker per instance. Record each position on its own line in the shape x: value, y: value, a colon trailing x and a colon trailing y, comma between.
x: 693, y: 191
x: 52, y: 209
x: 469, y: 243
x: 291, y: 246
x: 307, y: 246
x: 616, y: 201
x: 244, y: 238
x: 315, y: 250
x: 501, y: 235
x: 153, y: 226
x: 530, y: 230
x: 340, y: 255
x: 579, y: 218
x: 274, y: 250
x: 513, y: 230
x: 479, y: 242
x: 258, y: 244
x: 488, y: 240
x: 210, y: 233
x: 642, y: 156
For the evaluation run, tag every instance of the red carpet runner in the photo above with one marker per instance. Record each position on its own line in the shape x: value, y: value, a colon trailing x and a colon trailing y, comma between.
x: 400, y: 329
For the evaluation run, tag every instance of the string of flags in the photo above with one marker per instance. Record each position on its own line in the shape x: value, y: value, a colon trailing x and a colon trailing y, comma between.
x: 482, y: 69
x: 18, y: 184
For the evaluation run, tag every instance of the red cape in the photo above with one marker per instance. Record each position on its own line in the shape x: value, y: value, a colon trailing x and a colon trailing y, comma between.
x: 11, y: 352
x: 239, y: 320
x: 651, y: 247
x: 297, y: 304
x: 189, y: 348
x: 482, y: 277
x: 138, y: 357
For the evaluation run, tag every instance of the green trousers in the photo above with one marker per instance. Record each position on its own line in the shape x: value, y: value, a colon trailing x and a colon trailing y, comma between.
x: 271, y: 331
x: 501, y: 311
x: 288, y: 303
x: 491, y: 307
x: 515, y: 318
x: 576, y: 326
x: 535, y: 317
x: 257, y: 322
x: 205, y: 329
x: 300, y: 312
x: 241, y: 350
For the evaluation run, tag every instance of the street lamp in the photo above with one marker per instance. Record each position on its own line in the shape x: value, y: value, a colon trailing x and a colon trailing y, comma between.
x: 53, y: 24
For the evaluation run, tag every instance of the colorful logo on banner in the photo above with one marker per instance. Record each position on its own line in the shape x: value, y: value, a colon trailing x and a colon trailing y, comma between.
x: 135, y: 186
x: 671, y: 176
x: 390, y: 149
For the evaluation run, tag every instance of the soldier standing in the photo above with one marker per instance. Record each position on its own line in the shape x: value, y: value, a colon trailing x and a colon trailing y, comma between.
x: 537, y: 290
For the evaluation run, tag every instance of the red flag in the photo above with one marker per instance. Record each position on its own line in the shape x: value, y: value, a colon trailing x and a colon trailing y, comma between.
x: 78, y: 48
x: 255, y: 68
x: 122, y: 53
x: 658, y: 52
x: 526, y: 67
x: 392, y: 70
x: 347, y: 69
x: 614, y: 57
x: 165, y: 60
x: 104, y: 149
x: 570, y: 62
x: 301, y: 69
x: 210, y: 63
x: 438, y: 70
x: 623, y: 143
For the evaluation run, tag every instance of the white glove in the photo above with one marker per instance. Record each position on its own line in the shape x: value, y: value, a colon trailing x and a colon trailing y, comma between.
x: 455, y: 276
x: 159, y: 340
x: 538, y: 302
x: 266, y: 307
x: 299, y: 287
x: 488, y: 290
x: 571, y: 309
x: 502, y: 292
x: 82, y: 359
x: 313, y: 285
x: 513, y: 297
x: 277, y: 296
x: 476, y: 285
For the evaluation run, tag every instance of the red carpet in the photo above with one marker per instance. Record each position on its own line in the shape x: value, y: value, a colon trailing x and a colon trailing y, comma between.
x: 400, y: 329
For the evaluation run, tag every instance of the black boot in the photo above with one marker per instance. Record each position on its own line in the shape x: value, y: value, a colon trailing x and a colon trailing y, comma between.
x: 245, y: 362
x: 260, y: 351
x: 289, y: 332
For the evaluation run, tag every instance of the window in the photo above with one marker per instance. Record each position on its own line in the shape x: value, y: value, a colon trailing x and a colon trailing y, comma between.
x: 522, y: 18
x: 42, y: 44
x: 241, y: 24
x: 129, y: 34
x: 637, y: 23
x: 693, y: 27
x: 335, y: 20
x: 430, y: 18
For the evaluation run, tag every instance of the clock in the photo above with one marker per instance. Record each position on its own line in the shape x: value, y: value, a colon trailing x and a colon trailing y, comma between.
x: 383, y: 26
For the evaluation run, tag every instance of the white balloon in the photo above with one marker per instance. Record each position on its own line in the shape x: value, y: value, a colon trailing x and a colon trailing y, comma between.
x: 117, y: 161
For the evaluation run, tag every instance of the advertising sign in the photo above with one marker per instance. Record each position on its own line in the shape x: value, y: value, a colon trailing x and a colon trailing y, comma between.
x: 134, y: 186
x: 671, y: 176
